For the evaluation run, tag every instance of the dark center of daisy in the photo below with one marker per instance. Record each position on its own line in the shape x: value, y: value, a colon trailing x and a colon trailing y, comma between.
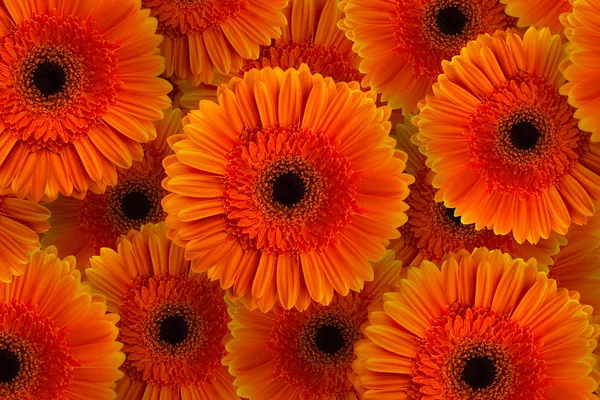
x: 173, y: 330
x: 453, y: 218
x: 49, y: 77
x: 329, y: 339
x: 9, y: 366
x: 479, y: 372
x: 451, y: 20
x: 136, y: 205
x: 524, y: 135
x: 288, y: 189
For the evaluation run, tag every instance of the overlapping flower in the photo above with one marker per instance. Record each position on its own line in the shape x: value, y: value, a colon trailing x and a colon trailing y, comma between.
x: 299, y: 199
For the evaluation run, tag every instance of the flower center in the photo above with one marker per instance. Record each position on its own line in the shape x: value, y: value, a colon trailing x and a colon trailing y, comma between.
x: 290, y: 198
x: 329, y: 339
x: 524, y: 135
x: 57, y: 77
x: 451, y: 20
x: 49, y: 77
x: 475, y: 353
x: 173, y: 323
x: 430, y: 31
x: 173, y: 330
x: 452, y: 217
x: 479, y: 372
x: 9, y: 366
x: 136, y: 205
x: 288, y: 189
x: 34, y: 358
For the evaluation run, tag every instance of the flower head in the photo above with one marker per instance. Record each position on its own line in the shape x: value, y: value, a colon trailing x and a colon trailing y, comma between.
x: 287, y: 188
x: 55, y: 339
x: 484, y: 326
x: 79, y: 88
x: 173, y: 322
x: 503, y: 143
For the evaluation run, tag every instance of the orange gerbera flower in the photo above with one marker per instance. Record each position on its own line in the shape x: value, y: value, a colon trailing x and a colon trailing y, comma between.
x: 582, y: 70
x: 403, y: 42
x: 20, y: 223
x: 538, y: 13
x: 502, y: 141
x: 577, y: 265
x: 79, y: 88
x: 202, y: 35
x: 312, y: 38
x: 304, y: 354
x: 173, y: 322
x: 82, y: 227
x: 485, y: 326
x: 55, y: 340
x: 433, y: 230
x: 288, y: 187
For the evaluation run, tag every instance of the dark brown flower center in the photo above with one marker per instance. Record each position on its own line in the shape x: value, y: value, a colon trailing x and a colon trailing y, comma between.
x: 524, y: 135
x: 288, y: 189
x: 9, y: 366
x: 329, y: 339
x: 136, y: 205
x: 49, y: 77
x: 174, y: 329
x: 451, y: 20
x: 453, y: 218
x: 479, y: 372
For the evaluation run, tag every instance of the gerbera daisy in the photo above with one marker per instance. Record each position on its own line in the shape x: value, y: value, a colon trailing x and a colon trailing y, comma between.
x: 433, y: 230
x: 173, y: 322
x: 485, y: 326
x: 581, y: 70
x: 577, y: 265
x: 200, y: 36
x: 20, y: 223
x: 403, y: 42
x: 79, y: 86
x: 56, y: 342
x: 82, y: 227
x: 538, y: 13
x: 502, y: 141
x: 287, y: 188
x: 291, y: 354
x: 312, y: 38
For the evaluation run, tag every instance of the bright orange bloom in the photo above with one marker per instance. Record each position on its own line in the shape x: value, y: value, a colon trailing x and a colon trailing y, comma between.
x: 20, y: 223
x: 312, y: 38
x: 200, y: 36
x: 538, y: 13
x: 56, y: 342
x: 82, y: 227
x: 485, y: 326
x: 79, y: 87
x: 582, y: 70
x: 173, y: 322
x: 433, y: 230
x: 503, y: 143
x: 303, y: 355
x: 287, y: 188
x: 403, y: 42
